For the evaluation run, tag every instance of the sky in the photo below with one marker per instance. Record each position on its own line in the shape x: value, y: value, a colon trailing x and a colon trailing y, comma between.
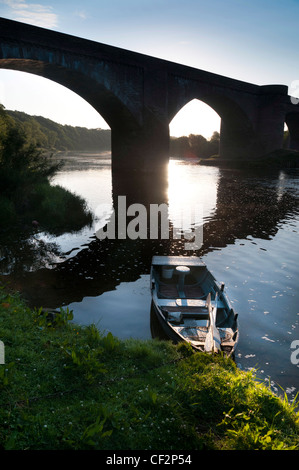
x: 255, y: 41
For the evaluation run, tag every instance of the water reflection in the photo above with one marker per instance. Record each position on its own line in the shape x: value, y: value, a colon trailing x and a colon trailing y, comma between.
x: 26, y: 252
x: 235, y: 207
x: 191, y: 184
x: 141, y: 188
x: 250, y: 228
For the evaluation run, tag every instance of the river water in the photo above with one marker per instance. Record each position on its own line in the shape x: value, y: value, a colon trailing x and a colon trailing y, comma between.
x: 250, y: 223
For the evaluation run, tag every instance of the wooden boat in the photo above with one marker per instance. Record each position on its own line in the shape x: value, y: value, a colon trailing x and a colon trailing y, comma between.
x: 192, y: 306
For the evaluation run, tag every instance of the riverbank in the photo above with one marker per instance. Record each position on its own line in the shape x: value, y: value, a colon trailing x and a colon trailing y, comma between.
x: 50, y: 208
x: 70, y: 387
x: 27, y: 196
x: 280, y: 159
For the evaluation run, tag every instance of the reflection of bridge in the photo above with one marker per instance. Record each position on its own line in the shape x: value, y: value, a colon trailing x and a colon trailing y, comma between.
x: 139, y: 95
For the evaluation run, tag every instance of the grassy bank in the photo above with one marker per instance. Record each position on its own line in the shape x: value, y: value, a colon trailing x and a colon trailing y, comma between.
x: 53, y: 208
x: 69, y: 387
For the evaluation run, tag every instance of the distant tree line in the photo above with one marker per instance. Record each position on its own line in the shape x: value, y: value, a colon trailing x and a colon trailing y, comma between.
x: 194, y: 146
x: 197, y: 146
x: 47, y: 134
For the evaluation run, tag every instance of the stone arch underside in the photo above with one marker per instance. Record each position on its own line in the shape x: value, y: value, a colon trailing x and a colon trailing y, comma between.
x: 108, y: 105
x: 117, y: 93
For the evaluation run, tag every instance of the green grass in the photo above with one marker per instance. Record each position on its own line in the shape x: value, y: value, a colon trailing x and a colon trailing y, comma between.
x: 68, y: 387
x: 56, y: 209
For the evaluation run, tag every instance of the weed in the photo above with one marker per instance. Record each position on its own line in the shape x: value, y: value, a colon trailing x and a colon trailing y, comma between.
x: 247, y: 433
x: 86, y: 360
x: 95, y: 432
x: 6, y: 371
x: 110, y: 342
x: 57, y: 319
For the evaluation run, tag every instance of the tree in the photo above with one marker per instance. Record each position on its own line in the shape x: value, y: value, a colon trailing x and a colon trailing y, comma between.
x: 21, y: 163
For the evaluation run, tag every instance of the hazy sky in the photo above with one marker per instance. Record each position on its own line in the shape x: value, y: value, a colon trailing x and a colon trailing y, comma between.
x: 251, y: 40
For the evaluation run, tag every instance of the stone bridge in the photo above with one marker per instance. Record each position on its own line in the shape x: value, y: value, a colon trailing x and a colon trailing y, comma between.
x: 139, y: 95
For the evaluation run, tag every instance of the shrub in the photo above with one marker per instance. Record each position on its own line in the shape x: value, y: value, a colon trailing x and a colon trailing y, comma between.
x: 26, y: 192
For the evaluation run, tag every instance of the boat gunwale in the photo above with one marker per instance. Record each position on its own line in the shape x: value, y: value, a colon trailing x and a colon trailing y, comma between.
x: 177, y: 261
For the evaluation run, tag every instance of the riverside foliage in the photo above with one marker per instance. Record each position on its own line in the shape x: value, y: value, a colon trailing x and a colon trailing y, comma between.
x: 26, y: 192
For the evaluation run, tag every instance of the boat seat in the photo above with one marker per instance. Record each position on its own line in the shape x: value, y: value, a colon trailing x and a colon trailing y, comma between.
x: 190, y: 302
x: 166, y: 302
x: 186, y: 303
x: 204, y: 314
x: 188, y: 319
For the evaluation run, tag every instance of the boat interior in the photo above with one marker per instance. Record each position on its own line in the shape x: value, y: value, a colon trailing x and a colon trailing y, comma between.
x: 195, y: 284
x: 182, y: 295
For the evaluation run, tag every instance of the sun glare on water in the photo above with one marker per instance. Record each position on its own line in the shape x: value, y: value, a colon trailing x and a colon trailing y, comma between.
x: 192, y: 193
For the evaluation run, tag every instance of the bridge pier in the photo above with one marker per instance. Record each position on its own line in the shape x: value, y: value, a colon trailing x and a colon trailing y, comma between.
x: 250, y: 136
x: 140, y: 165
x: 271, y: 117
x: 292, y: 121
x: 237, y: 141
x: 140, y: 150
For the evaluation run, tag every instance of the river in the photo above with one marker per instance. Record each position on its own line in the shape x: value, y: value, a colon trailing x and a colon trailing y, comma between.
x: 250, y: 226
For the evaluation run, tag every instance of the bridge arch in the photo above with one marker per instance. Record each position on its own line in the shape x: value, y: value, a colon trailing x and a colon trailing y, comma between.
x: 292, y: 121
x: 237, y: 128
x: 103, y: 100
x: 196, y: 117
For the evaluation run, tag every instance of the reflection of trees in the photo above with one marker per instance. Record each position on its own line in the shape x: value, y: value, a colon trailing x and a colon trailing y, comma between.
x: 26, y: 253
x: 245, y: 207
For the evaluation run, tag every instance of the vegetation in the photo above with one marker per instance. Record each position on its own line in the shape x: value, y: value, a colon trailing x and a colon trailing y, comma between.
x: 47, y: 134
x: 278, y: 159
x: 195, y: 146
x: 70, y: 387
x: 26, y: 193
